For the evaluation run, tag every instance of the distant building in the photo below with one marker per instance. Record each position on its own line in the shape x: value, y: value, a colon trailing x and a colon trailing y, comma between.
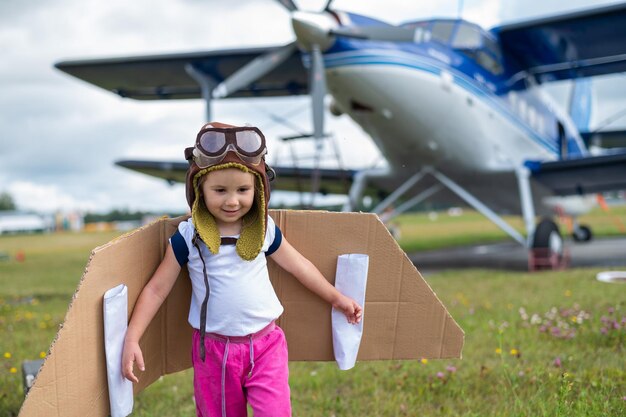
x: 23, y: 222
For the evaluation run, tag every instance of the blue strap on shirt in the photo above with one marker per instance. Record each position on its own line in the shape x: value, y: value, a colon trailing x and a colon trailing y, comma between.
x: 181, y: 251
x: 278, y: 238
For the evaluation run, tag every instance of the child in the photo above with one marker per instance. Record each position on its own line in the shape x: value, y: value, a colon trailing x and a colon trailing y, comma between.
x: 239, y: 355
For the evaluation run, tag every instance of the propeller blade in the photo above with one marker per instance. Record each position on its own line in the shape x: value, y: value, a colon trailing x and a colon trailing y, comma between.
x: 288, y: 4
x: 254, y: 70
x: 379, y: 33
x: 318, y: 91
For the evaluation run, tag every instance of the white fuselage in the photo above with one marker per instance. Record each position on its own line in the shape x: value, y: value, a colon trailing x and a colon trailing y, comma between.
x: 424, y: 115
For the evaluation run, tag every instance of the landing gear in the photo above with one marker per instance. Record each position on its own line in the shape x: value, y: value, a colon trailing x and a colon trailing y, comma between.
x: 548, y: 250
x: 582, y: 233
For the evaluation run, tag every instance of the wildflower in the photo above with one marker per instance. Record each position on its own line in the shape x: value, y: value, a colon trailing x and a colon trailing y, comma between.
x: 7, y: 355
x: 557, y: 362
x: 515, y: 352
x: 424, y: 361
x: 551, y: 315
x: 535, y: 319
x: 523, y: 314
x: 42, y: 354
x: 441, y: 375
x: 498, y: 351
x: 13, y: 370
x: 568, y: 293
x: 451, y: 369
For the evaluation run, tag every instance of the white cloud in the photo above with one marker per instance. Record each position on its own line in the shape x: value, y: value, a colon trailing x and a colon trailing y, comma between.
x: 46, y: 198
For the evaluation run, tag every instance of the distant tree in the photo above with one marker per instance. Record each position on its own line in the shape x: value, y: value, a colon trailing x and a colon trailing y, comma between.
x: 6, y: 201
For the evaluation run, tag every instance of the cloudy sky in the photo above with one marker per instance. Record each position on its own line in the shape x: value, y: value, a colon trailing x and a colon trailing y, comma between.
x: 59, y: 137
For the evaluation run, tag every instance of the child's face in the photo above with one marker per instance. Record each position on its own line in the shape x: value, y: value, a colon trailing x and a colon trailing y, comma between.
x: 228, y: 195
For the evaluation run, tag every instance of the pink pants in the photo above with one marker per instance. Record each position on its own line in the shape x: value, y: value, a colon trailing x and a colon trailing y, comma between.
x: 238, y: 370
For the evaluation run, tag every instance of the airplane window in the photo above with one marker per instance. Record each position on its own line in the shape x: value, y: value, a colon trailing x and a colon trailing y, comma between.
x: 442, y: 31
x: 523, y: 110
x: 422, y: 32
x: 532, y: 117
x: 421, y: 35
x: 493, y: 47
x: 467, y: 37
x: 541, y: 126
x: 488, y: 62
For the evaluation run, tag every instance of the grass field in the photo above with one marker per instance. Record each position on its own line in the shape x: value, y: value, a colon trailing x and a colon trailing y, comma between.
x: 541, y: 344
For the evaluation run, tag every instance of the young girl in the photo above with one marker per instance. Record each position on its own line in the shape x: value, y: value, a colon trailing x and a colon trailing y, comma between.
x: 239, y: 354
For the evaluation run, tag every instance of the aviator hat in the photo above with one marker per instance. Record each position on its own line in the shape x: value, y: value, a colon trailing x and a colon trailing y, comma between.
x: 221, y: 146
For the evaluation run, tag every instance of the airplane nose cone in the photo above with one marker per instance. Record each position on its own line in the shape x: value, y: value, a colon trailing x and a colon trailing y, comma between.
x: 313, y: 29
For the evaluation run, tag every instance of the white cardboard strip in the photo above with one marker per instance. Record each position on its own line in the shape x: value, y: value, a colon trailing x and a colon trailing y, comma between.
x: 115, y: 308
x: 350, y: 280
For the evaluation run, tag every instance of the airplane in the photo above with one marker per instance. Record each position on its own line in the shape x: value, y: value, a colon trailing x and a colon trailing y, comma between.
x: 458, y: 111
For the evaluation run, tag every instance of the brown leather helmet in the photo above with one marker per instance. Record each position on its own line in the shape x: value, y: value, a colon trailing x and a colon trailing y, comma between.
x: 232, y: 151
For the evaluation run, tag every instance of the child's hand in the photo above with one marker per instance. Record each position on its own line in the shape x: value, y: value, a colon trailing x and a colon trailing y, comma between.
x: 130, y: 355
x: 349, y: 307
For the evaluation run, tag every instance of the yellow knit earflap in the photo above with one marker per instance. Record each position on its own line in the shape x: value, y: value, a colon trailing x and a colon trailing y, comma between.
x: 252, y: 234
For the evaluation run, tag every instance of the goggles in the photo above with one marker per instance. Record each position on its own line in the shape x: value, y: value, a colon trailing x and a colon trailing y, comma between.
x: 212, y: 145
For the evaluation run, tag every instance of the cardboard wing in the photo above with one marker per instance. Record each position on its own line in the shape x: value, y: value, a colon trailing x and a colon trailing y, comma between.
x: 403, y: 318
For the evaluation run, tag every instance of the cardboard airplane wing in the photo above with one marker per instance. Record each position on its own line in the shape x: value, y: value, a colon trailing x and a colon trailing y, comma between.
x: 403, y: 318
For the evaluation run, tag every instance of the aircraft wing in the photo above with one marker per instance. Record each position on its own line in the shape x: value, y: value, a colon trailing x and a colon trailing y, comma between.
x: 157, y: 77
x: 580, y: 44
x: 583, y: 175
x: 332, y: 181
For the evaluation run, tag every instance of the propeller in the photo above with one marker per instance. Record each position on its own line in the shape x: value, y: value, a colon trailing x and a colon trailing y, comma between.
x: 318, y: 91
x: 315, y: 32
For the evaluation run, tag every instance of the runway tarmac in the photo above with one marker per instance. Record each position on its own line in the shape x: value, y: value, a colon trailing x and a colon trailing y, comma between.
x: 601, y: 252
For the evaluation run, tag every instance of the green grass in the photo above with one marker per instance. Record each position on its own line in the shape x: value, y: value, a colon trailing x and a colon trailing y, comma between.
x: 509, y: 364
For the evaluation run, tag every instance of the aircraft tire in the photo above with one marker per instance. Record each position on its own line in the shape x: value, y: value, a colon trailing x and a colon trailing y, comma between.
x: 548, y: 246
x: 582, y: 234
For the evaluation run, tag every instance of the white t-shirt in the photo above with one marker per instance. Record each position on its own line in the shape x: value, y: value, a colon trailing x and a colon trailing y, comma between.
x: 242, y: 300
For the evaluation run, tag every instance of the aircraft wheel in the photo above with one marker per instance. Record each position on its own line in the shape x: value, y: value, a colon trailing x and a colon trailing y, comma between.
x: 547, y: 245
x: 582, y: 234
